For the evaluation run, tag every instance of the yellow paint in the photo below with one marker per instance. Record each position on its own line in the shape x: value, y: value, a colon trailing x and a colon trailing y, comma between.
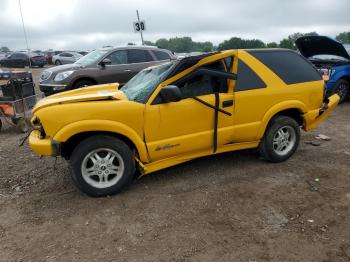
x: 40, y: 146
x: 168, y: 134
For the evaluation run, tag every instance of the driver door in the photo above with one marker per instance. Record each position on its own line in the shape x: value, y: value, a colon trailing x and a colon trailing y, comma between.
x: 187, y: 126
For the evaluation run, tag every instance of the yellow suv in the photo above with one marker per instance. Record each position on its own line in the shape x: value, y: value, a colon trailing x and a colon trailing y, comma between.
x: 181, y: 110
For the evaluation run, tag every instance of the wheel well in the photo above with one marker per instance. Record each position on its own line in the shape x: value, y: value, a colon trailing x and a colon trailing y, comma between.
x: 347, y: 78
x: 68, y: 146
x: 294, y: 113
x: 84, y: 78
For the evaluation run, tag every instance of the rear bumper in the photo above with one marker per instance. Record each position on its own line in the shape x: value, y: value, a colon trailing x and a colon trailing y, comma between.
x: 315, y: 117
x: 43, y: 147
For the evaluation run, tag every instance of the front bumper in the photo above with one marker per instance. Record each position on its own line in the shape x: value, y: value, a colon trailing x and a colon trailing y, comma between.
x: 43, y: 147
x: 315, y: 117
x: 52, y: 88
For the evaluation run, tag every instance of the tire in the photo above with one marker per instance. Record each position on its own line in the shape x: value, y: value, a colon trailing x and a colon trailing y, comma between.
x: 94, y: 174
x: 82, y: 83
x: 281, y: 139
x: 58, y: 62
x: 23, y: 125
x: 342, y: 88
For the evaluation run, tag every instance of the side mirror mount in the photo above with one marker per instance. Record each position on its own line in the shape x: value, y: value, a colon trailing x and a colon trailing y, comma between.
x: 170, y: 93
x: 105, y: 62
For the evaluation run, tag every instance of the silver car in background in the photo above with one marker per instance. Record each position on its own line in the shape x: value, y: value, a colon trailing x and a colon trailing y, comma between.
x: 66, y: 58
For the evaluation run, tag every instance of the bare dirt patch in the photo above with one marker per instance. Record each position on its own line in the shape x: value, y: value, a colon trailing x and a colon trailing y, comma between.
x: 229, y: 207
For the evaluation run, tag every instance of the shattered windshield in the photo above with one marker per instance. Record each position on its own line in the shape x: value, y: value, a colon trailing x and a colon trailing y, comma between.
x: 140, y: 87
x: 91, y: 58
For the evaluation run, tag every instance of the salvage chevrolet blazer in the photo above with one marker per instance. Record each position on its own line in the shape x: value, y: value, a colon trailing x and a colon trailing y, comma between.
x: 181, y: 110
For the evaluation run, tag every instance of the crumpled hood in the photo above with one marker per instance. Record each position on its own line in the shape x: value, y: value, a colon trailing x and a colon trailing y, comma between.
x: 320, y: 45
x: 91, y: 93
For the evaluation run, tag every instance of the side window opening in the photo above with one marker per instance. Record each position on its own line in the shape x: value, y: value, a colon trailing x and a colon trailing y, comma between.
x: 118, y: 57
x: 247, y: 79
x: 200, y: 85
x: 228, y: 62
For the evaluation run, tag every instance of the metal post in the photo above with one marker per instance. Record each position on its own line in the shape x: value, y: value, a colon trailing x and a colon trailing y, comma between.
x: 138, y: 19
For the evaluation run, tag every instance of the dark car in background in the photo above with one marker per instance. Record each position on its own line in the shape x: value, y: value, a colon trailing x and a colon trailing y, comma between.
x: 332, y: 59
x: 20, y: 59
x: 106, y: 65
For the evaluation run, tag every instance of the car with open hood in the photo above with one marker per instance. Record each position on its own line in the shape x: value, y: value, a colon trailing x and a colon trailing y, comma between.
x: 181, y: 110
x: 106, y: 65
x: 332, y: 59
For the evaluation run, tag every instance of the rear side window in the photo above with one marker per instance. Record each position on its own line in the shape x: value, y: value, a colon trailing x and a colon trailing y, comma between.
x: 288, y: 65
x: 247, y: 79
x: 139, y: 56
x: 160, y: 55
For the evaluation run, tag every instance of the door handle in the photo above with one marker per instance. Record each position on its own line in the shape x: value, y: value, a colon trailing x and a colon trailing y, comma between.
x: 227, y: 103
x: 127, y: 70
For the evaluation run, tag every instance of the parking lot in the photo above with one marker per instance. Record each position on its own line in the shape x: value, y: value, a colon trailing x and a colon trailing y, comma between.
x: 228, y: 207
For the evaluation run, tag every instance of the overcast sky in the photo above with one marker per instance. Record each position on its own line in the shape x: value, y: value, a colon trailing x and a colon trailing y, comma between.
x: 88, y: 24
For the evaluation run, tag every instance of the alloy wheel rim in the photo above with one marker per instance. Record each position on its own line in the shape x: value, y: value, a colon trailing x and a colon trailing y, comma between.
x: 284, y: 140
x: 102, y: 168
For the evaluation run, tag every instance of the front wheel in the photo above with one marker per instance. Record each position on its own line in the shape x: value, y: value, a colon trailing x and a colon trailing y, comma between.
x: 102, y: 165
x: 82, y: 83
x: 281, y: 139
x: 342, y: 88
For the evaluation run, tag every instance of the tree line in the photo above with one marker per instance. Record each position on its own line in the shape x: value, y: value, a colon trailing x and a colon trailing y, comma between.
x: 186, y: 44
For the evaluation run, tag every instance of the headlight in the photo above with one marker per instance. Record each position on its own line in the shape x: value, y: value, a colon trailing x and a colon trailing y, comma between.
x: 63, y: 75
x: 326, y: 73
x: 36, y: 123
x: 45, y: 75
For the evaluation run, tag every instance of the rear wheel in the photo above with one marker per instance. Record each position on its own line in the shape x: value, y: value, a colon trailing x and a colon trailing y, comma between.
x: 102, y: 165
x: 342, y: 88
x: 58, y: 62
x: 281, y: 139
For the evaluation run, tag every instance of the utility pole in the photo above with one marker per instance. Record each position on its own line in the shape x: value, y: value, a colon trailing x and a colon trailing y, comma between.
x: 24, y: 32
x: 138, y: 20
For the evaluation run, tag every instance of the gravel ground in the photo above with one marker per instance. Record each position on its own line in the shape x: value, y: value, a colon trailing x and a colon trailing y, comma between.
x: 228, y: 207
